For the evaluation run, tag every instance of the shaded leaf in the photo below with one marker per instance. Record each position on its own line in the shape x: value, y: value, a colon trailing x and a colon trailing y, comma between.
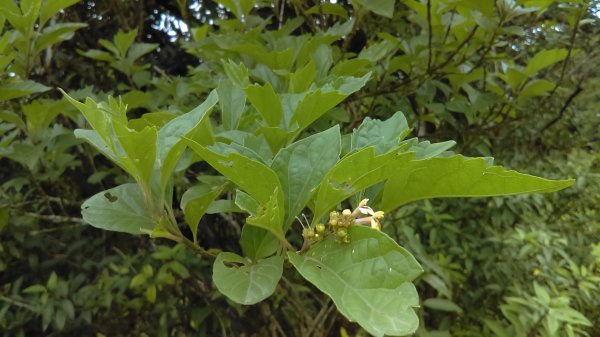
x: 258, y: 243
x: 245, y: 282
x: 442, y: 304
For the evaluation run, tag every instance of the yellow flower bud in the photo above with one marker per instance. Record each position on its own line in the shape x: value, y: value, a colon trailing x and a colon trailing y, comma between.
x: 320, y: 228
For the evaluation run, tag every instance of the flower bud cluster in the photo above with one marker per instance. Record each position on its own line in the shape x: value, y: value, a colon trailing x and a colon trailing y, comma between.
x: 339, y: 222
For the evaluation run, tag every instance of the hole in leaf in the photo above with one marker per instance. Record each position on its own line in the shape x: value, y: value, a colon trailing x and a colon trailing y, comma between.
x: 233, y: 264
x: 226, y: 163
x: 110, y: 197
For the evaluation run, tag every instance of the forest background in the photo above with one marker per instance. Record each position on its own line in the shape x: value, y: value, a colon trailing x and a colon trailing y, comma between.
x: 517, y: 80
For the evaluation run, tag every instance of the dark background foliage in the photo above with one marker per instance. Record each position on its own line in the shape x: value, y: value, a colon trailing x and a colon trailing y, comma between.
x: 489, y: 263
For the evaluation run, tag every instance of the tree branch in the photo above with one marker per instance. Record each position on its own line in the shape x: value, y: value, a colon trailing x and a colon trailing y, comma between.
x: 429, y: 37
x: 561, y: 113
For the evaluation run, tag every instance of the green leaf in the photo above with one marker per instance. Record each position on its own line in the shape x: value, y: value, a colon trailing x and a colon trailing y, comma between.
x: 36, y: 288
x: 137, y: 50
x: 56, y: 34
x: 20, y: 89
x: 458, y: 176
x: 252, y: 176
x: 120, y: 209
x: 316, y: 103
x: 258, y: 243
x: 97, y: 54
x: 237, y: 73
x: 195, y: 202
x: 245, y: 282
x: 151, y: 293
x: 545, y: 58
x: 67, y: 307
x: 170, y: 143
x: 426, y: 150
x: 329, y: 9
x: 246, y: 202
x: 232, y: 101
x: 382, y: 135
x: 442, y: 305
x: 536, y: 88
x: 497, y: 328
x: 266, y: 102
x: 377, y: 51
x: 26, y: 154
x: 122, y: 41
x: 380, y: 7
x: 223, y: 206
x: 40, y: 113
x: 269, y: 216
x: 140, y: 149
x: 302, y: 166
x: 101, y: 115
x: 368, y: 279
x: 11, y: 117
x: 49, y: 8
x: 93, y: 138
x: 570, y: 315
x: 303, y: 78
x: 4, y: 216
x: 240, y: 8
x: 354, y: 173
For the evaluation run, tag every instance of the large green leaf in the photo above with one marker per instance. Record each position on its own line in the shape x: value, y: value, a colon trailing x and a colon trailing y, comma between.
x: 368, y: 279
x: 120, y: 209
x: 458, y: 176
x: 302, y: 166
x: 354, y: 173
x: 252, y: 176
x: 246, y: 282
x: 170, y: 145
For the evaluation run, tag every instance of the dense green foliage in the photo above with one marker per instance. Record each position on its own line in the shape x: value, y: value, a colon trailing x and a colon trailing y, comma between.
x: 290, y: 107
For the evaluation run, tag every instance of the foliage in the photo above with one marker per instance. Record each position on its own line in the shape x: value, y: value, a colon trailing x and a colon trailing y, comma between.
x: 287, y: 109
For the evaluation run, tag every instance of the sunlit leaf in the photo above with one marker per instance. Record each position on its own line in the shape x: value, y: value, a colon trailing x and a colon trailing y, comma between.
x: 458, y: 176
x: 120, y: 209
